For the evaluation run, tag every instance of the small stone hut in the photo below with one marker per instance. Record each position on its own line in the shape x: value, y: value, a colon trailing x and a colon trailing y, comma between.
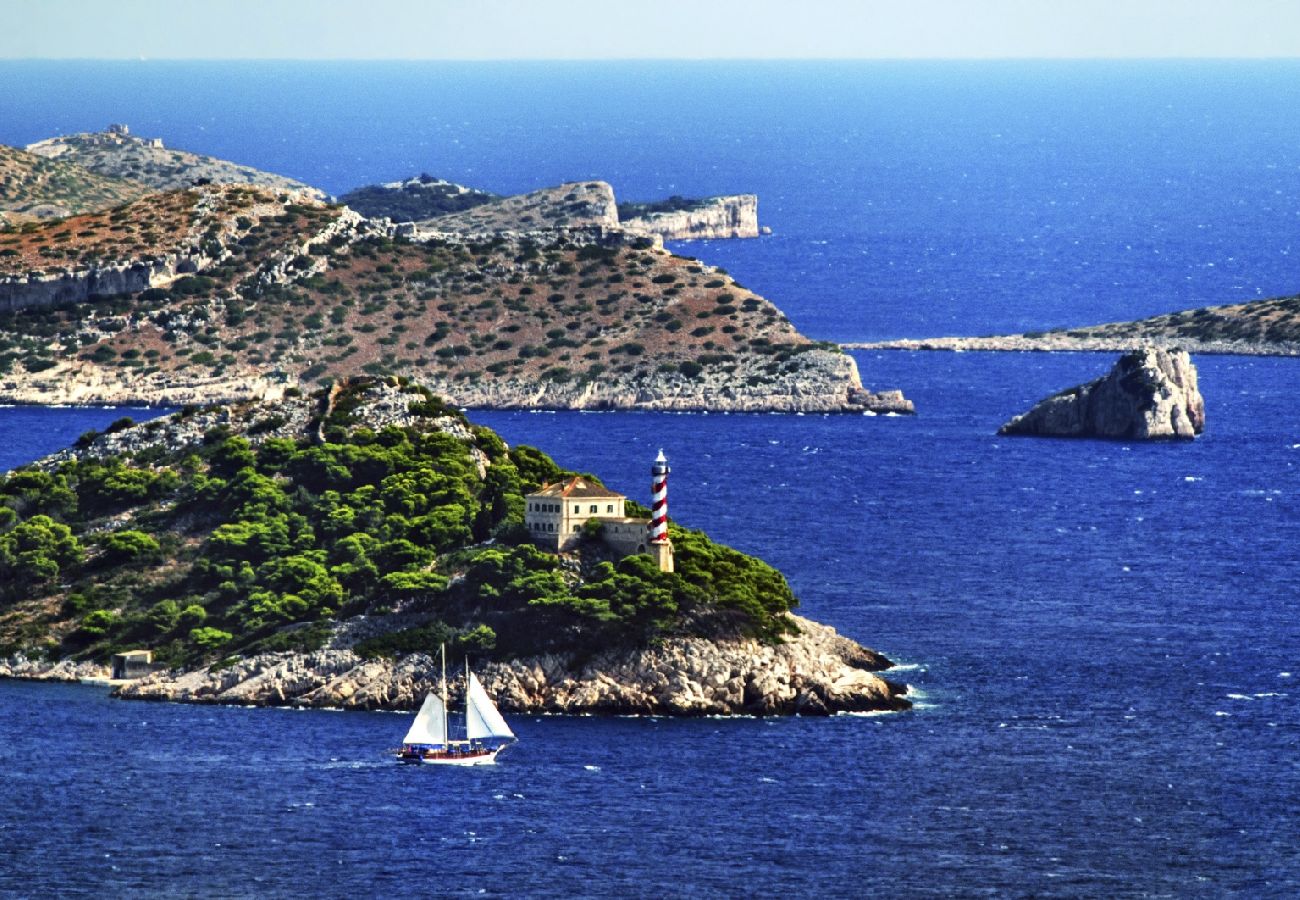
x: 132, y: 664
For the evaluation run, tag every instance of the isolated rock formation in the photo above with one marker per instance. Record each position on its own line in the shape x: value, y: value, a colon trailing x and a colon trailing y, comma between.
x: 1150, y: 393
x: 817, y: 672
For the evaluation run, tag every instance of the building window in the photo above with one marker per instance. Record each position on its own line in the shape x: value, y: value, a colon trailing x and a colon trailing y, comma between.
x: 609, y: 508
x: 577, y: 528
x: 593, y: 509
x: 550, y: 526
x: 577, y: 508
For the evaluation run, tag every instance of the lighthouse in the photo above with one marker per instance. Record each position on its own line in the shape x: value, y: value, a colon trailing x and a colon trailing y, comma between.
x: 661, y: 546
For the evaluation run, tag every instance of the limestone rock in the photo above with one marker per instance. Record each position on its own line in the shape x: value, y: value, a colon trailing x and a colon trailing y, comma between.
x: 817, y: 672
x: 1150, y: 393
x: 716, y: 217
x: 19, y: 666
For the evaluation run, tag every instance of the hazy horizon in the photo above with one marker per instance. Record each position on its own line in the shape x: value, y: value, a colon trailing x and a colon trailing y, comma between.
x: 587, y: 30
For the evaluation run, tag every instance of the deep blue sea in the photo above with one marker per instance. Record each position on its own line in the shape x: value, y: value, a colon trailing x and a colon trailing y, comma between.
x: 1101, y: 636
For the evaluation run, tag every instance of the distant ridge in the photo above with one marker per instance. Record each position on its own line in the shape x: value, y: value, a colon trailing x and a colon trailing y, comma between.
x: 35, y: 187
x: 116, y: 153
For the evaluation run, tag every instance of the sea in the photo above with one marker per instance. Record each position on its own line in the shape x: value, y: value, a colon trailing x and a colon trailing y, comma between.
x: 1100, y: 636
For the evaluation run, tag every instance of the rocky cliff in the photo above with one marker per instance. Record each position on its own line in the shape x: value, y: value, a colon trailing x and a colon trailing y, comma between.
x: 1150, y: 393
x: 189, y: 233
x: 714, y: 217
x: 817, y: 672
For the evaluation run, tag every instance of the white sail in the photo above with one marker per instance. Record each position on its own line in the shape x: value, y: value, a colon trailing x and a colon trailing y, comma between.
x: 430, y: 725
x: 482, y: 719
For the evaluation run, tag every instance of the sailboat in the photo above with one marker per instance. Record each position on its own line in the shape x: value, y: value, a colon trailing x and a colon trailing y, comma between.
x: 428, y: 739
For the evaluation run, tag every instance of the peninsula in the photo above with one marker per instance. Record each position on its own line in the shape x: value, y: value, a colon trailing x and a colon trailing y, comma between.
x: 317, y: 550
x: 1258, y: 328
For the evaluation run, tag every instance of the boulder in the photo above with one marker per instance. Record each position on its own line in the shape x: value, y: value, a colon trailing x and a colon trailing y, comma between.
x: 1151, y: 393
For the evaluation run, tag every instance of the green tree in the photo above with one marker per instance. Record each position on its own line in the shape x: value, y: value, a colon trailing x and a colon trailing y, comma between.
x: 35, y: 552
x: 127, y: 546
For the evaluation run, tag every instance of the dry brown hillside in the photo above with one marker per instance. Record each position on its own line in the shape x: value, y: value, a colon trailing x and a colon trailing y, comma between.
x: 33, y: 187
x: 303, y: 293
x: 117, y: 153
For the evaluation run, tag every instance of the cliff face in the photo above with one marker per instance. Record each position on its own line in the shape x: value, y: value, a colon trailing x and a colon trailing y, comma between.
x: 1150, y: 393
x: 817, y: 672
x: 716, y: 217
x: 193, y: 232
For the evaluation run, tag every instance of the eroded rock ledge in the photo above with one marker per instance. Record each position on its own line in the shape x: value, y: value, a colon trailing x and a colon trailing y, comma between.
x: 817, y: 672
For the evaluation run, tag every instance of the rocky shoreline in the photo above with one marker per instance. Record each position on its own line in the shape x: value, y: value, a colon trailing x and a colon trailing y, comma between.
x: 65, y: 670
x: 1062, y: 342
x: 817, y: 672
x: 826, y: 382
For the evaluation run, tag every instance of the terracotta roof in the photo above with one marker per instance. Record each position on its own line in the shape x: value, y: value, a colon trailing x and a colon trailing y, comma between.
x: 577, y: 487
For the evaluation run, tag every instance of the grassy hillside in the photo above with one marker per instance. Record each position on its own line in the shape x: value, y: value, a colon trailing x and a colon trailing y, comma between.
x: 238, y: 530
x: 33, y: 187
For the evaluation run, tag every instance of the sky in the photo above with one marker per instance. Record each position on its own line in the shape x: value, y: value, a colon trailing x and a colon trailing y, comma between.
x: 660, y: 29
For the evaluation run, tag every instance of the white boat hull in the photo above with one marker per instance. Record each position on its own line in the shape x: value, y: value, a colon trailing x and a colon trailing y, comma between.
x: 486, y: 759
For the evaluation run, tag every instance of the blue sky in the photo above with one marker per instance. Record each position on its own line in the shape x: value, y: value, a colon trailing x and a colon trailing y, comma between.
x: 617, y: 29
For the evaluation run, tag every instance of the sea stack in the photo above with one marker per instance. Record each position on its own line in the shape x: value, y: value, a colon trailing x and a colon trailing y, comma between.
x: 1150, y: 394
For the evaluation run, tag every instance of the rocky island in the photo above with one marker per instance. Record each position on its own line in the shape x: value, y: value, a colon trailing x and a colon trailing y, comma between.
x: 221, y: 292
x: 1149, y: 394
x: 317, y: 550
x: 1259, y: 328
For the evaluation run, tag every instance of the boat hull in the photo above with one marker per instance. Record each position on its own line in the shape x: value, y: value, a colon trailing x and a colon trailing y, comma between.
x: 436, y: 758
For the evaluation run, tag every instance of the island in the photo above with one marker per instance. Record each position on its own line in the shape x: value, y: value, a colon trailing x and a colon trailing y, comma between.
x: 318, y: 550
x: 1149, y: 394
x: 1258, y: 328
x: 221, y: 291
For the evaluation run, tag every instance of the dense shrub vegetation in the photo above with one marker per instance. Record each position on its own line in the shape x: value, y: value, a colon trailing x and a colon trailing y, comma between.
x: 425, y: 198
x: 236, y: 546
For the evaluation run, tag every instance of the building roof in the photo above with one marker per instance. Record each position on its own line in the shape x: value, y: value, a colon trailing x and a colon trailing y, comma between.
x: 576, y: 487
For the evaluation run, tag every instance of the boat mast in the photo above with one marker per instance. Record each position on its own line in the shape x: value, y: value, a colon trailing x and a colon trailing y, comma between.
x: 466, y: 696
x: 445, y: 736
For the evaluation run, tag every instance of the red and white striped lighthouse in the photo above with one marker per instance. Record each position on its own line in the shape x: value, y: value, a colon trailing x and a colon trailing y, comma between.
x: 659, y: 500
